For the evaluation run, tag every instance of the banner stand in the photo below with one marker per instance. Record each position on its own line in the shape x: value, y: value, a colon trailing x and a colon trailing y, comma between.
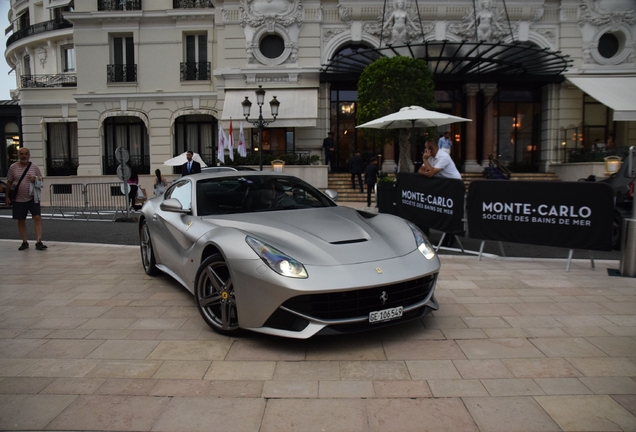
x: 567, y: 267
x: 481, y: 249
x: 441, y: 240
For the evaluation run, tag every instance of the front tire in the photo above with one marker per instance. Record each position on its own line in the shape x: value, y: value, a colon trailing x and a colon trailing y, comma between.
x: 147, y: 252
x: 214, y: 295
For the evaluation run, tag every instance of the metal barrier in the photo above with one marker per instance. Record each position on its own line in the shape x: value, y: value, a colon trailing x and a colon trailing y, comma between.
x: 106, y: 197
x: 69, y: 198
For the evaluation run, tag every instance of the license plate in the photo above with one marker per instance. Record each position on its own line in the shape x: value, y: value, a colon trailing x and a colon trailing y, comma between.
x: 386, y: 314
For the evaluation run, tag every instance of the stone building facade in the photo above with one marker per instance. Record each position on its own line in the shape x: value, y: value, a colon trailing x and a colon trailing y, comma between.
x: 162, y: 76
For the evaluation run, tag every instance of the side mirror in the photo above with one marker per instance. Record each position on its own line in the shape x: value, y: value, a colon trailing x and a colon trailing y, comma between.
x: 332, y: 194
x: 173, y: 205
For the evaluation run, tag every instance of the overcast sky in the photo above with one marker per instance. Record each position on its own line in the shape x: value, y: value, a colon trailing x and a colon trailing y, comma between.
x: 7, y: 82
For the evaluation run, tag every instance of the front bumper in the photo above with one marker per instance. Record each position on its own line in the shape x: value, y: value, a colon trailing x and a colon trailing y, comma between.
x: 334, y: 298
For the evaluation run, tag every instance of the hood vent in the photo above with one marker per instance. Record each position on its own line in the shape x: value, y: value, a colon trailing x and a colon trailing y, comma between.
x: 348, y: 241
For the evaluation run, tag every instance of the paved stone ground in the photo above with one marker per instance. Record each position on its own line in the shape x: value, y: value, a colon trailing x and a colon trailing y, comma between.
x: 89, y: 342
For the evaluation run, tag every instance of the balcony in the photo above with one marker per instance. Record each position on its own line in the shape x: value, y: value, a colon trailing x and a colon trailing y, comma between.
x: 40, y: 81
x: 195, y: 71
x: 39, y: 28
x: 118, y: 5
x: 192, y: 4
x: 118, y: 73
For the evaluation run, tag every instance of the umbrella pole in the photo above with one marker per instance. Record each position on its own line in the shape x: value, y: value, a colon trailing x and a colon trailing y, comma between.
x: 413, y: 147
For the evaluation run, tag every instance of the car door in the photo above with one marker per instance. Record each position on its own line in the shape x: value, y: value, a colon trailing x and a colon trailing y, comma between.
x: 171, y: 241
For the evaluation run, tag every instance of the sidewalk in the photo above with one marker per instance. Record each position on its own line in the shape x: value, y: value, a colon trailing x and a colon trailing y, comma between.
x: 89, y: 342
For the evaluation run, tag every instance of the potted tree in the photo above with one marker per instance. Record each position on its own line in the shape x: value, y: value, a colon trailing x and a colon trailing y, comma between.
x: 386, y: 199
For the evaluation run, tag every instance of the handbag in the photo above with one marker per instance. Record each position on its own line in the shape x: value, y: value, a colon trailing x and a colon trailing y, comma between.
x: 13, y: 191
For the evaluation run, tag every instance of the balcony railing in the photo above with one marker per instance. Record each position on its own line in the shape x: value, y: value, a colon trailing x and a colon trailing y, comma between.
x: 61, y: 166
x: 39, y: 28
x: 118, y: 5
x: 118, y: 73
x: 39, y: 81
x: 141, y: 164
x: 195, y: 71
x: 192, y: 4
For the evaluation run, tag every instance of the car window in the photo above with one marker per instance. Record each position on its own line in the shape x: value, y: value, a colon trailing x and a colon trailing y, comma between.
x: 183, y: 192
x: 238, y: 194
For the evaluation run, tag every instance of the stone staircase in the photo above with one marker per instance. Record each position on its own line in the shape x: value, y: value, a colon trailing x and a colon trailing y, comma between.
x: 341, y: 183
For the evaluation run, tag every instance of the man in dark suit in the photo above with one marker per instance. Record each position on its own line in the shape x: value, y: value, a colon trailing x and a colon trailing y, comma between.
x: 191, y: 166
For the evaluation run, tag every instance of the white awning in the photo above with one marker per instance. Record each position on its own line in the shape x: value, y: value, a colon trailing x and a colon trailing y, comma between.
x: 298, y: 107
x: 618, y: 93
x: 58, y: 3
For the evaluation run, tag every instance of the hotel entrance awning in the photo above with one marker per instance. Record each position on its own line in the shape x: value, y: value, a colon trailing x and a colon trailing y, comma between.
x: 298, y: 107
x: 461, y: 61
x: 618, y: 93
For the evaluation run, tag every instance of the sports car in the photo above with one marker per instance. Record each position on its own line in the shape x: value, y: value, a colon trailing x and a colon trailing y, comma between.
x: 270, y: 253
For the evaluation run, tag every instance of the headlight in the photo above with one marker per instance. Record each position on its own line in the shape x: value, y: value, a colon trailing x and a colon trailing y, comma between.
x: 276, y: 260
x: 422, y: 242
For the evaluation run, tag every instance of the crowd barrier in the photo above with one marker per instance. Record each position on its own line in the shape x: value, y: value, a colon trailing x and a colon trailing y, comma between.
x: 87, y: 199
x: 573, y: 215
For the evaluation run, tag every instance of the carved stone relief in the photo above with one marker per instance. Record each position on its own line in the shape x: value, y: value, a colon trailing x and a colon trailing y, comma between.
x: 607, y: 20
x: 281, y: 18
x: 488, y: 24
x: 399, y: 28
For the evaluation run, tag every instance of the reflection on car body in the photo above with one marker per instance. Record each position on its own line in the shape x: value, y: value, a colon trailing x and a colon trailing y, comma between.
x: 270, y: 253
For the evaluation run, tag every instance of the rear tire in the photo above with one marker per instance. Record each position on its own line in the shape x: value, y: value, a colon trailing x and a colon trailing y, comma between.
x: 214, y: 296
x: 617, y: 228
x: 147, y: 251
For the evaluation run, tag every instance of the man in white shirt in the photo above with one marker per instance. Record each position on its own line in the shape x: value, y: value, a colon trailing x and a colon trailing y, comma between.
x: 437, y: 163
x: 445, y: 142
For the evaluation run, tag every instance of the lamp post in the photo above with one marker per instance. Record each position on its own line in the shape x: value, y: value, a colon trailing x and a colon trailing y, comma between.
x: 260, y: 123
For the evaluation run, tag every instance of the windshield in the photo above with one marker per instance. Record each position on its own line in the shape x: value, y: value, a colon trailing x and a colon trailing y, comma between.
x: 238, y: 194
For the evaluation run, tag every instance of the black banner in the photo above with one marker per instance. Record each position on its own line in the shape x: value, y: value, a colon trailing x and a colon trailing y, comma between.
x: 573, y: 215
x: 436, y: 203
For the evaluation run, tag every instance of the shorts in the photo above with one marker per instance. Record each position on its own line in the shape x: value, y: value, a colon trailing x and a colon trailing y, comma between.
x: 21, y: 209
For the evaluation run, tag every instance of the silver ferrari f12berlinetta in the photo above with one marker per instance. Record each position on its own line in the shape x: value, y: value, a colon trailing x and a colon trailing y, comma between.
x: 268, y: 252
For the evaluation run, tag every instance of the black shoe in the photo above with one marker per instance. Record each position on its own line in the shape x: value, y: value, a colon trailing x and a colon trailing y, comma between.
x: 40, y: 246
x: 23, y: 246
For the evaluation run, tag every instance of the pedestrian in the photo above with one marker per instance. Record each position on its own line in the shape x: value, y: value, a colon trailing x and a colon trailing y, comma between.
x: 329, y: 146
x: 356, y: 167
x: 27, y: 179
x: 370, y: 178
x: 191, y: 166
x: 160, y: 183
x: 445, y: 142
x: 437, y: 163
x: 133, y: 186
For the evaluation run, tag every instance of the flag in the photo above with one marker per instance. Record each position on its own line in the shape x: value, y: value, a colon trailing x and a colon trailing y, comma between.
x: 242, y: 151
x: 230, y: 142
x: 221, y: 145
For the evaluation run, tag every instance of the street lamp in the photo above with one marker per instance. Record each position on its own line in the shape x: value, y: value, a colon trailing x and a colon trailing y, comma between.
x: 260, y: 123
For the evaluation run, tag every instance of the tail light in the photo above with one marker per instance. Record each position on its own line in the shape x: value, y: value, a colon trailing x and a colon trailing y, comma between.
x: 630, y: 194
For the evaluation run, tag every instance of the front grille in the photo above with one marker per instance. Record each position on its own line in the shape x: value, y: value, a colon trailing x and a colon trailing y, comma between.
x: 358, y: 303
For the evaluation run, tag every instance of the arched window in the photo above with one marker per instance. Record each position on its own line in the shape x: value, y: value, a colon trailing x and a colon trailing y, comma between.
x: 130, y: 133
x: 197, y: 133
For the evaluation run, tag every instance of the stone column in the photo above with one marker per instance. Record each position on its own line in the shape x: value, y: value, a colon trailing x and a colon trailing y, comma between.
x: 490, y: 143
x: 388, y: 163
x: 471, y: 165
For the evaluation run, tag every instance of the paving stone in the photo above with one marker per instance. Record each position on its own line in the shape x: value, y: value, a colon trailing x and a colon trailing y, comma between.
x: 509, y: 414
x: 31, y: 412
x: 415, y: 415
x: 587, y: 413
x: 97, y: 412
x: 314, y: 415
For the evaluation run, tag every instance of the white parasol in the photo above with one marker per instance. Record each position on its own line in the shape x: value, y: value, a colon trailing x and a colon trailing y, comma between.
x: 181, y: 159
x: 412, y: 117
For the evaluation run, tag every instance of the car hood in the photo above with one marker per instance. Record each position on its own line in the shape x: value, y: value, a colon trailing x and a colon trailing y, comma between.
x: 326, y: 236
